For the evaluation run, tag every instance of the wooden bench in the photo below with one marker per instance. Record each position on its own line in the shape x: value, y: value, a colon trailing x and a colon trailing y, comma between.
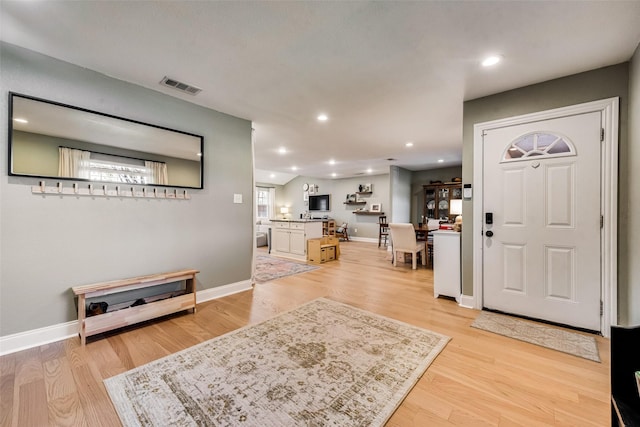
x: 128, y: 316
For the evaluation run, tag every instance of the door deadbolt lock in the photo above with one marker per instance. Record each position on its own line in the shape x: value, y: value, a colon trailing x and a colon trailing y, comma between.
x: 489, y: 233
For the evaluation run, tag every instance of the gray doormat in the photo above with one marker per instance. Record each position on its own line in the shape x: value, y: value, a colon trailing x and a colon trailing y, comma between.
x: 537, y: 333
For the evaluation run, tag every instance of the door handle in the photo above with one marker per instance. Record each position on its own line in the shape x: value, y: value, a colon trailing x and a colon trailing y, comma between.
x: 489, y: 233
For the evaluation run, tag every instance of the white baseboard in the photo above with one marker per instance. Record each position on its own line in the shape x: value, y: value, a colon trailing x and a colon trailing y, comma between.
x: 223, y: 291
x: 363, y: 239
x: 62, y: 331
x: 36, y: 337
x: 467, y: 301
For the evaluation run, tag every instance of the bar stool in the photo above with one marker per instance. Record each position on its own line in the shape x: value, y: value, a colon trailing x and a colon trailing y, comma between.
x: 384, y: 230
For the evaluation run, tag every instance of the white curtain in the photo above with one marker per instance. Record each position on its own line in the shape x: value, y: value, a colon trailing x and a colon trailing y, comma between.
x: 157, y: 172
x: 73, y: 163
x: 272, y: 203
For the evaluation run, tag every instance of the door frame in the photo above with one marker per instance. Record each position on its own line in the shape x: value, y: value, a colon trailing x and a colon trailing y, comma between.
x: 609, y: 198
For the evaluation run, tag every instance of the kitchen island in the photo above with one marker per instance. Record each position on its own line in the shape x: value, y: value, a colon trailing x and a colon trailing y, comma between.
x: 290, y: 237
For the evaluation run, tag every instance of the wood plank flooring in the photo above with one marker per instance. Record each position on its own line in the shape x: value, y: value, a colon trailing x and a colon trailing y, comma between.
x: 480, y: 379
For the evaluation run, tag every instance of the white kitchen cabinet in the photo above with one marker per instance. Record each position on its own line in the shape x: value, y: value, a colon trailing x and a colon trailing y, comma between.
x: 446, y: 264
x: 290, y: 237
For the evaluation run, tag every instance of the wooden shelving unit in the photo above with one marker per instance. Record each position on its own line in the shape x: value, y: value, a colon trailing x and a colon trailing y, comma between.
x: 329, y: 227
x: 368, y: 213
x: 437, y: 199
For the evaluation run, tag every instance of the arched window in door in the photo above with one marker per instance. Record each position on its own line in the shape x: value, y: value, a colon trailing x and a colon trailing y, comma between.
x: 539, y: 145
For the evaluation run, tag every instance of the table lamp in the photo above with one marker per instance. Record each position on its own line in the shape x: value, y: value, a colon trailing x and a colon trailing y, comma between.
x: 456, y: 209
x: 284, y: 211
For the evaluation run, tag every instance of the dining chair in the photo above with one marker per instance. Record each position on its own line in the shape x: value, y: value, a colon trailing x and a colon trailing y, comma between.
x: 384, y: 230
x: 403, y: 239
x: 342, y: 231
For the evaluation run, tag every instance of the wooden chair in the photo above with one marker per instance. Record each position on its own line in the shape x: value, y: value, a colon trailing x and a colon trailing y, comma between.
x: 403, y: 239
x: 342, y: 231
x: 384, y: 230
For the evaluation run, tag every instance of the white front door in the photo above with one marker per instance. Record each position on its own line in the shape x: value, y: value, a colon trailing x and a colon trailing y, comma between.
x: 541, y: 253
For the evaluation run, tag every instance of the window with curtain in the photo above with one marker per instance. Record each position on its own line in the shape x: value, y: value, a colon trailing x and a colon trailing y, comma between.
x: 157, y: 172
x: 106, y: 171
x: 73, y: 163
x: 265, y: 198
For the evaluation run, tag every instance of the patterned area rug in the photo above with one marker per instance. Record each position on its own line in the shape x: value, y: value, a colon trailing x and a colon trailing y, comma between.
x: 322, y: 364
x: 540, y: 334
x: 271, y: 268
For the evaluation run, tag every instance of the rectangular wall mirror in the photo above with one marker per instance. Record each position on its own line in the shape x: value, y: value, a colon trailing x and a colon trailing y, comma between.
x: 52, y: 140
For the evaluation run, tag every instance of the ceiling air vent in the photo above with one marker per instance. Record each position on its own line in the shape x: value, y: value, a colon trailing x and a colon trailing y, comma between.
x: 183, y: 87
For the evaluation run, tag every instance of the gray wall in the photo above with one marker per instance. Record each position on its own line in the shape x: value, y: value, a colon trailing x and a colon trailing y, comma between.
x: 420, y: 178
x: 49, y: 244
x: 366, y: 225
x: 584, y: 87
x: 400, y: 194
x: 629, y: 272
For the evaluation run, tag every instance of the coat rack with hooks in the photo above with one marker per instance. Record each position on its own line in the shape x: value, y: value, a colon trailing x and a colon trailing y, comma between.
x: 110, y: 190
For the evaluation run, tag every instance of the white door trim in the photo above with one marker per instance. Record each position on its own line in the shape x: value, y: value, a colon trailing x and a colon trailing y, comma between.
x: 608, y: 181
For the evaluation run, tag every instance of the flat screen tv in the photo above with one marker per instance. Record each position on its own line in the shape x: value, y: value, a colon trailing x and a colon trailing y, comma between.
x: 319, y: 202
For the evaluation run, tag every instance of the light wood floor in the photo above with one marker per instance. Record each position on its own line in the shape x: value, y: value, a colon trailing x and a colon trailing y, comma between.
x: 479, y: 379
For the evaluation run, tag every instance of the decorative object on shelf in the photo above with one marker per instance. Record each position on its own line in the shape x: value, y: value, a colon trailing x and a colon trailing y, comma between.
x: 367, y: 188
x: 360, y: 188
x: 375, y: 207
x: 456, y: 179
x: 351, y: 198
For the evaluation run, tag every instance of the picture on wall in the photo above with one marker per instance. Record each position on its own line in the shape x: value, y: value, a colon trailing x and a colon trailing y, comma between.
x: 376, y: 207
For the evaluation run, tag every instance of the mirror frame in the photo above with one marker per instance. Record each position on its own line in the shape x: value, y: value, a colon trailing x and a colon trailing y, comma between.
x: 110, y: 116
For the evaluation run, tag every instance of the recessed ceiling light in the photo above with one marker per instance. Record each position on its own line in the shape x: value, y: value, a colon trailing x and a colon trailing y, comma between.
x: 282, y: 150
x: 369, y: 170
x: 273, y: 175
x: 332, y: 162
x: 21, y: 120
x: 199, y: 154
x: 323, y: 117
x: 334, y: 174
x: 491, y: 60
x: 440, y: 160
x: 408, y: 144
x: 294, y: 168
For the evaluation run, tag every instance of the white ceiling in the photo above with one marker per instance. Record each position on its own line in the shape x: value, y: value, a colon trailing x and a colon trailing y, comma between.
x: 385, y: 72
